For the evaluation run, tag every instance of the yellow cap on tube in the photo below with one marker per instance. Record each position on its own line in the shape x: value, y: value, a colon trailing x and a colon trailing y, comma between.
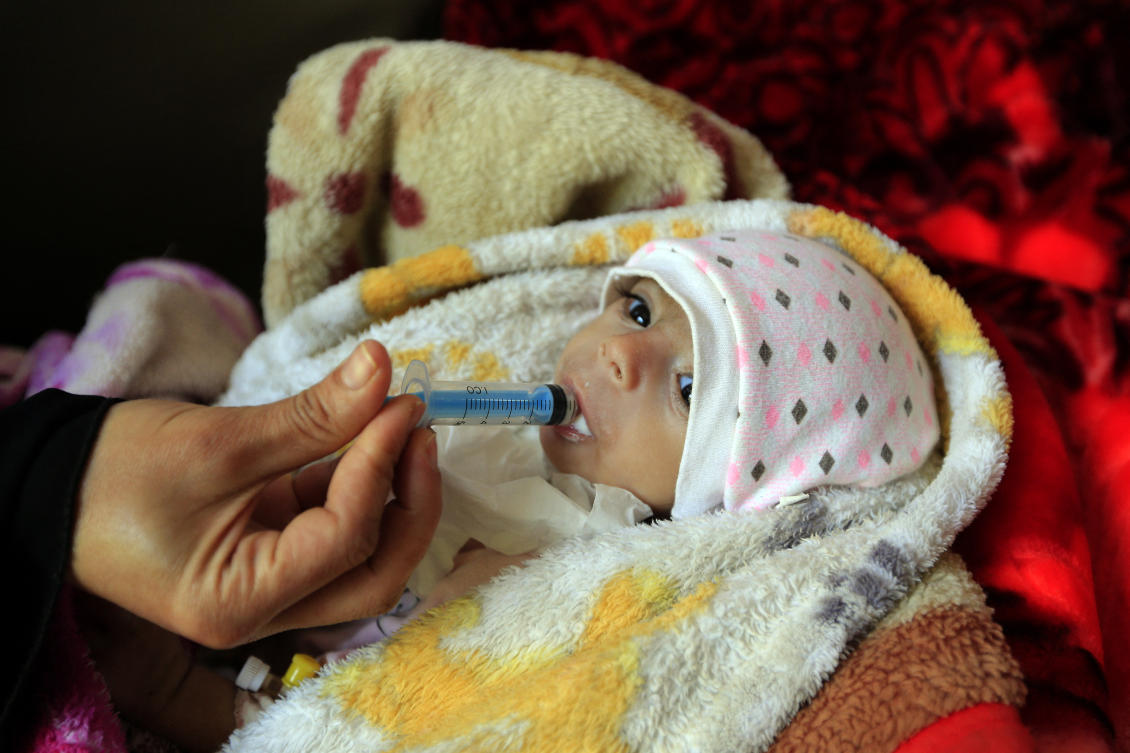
x: 302, y: 666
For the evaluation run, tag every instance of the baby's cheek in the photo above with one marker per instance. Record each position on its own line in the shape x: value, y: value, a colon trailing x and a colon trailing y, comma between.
x: 651, y: 475
x: 549, y: 445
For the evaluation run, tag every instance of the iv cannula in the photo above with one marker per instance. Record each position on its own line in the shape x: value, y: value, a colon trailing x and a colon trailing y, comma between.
x: 459, y: 403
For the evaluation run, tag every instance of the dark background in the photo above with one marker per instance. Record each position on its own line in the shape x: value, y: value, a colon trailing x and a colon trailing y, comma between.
x: 134, y: 128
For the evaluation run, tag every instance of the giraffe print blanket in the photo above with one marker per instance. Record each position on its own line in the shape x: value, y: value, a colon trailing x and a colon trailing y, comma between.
x: 787, y: 630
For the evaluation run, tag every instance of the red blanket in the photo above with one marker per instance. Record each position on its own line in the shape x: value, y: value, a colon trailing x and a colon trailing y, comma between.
x: 993, y: 140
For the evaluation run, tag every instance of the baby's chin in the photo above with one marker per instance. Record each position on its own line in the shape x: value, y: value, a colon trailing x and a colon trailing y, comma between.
x: 661, y: 509
x: 556, y: 449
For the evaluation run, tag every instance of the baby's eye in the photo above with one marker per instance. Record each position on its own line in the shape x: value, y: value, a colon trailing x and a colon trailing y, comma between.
x: 638, y: 311
x: 685, y: 382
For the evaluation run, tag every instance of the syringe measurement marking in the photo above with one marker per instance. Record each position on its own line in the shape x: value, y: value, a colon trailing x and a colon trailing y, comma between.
x: 532, y: 403
x: 491, y: 409
x: 485, y: 406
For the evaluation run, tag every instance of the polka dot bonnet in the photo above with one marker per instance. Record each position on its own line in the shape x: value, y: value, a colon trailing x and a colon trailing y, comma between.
x: 806, y: 372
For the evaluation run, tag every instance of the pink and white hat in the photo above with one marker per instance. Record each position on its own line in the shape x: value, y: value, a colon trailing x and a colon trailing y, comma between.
x: 806, y: 372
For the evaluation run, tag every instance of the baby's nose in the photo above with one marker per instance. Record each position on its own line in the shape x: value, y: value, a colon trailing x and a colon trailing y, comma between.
x: 623, y: 358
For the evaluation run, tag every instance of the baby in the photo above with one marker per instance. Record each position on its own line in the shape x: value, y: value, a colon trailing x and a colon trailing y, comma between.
x: 740, y: 370
x: 736, y: 371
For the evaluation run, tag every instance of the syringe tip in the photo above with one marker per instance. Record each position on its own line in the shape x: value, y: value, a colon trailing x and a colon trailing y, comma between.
x: 564, y: 405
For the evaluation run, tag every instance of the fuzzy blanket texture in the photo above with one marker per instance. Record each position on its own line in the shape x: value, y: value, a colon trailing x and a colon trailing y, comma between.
x: 488, y: 306
x: 613, y: 643
x: 382, y: 150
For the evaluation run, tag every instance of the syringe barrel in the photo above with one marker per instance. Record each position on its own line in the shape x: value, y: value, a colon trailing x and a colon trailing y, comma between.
x: 477, y: 403
x: 456, y: 403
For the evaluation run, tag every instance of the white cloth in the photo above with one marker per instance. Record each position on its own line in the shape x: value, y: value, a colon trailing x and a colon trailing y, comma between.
x: 499, y: 489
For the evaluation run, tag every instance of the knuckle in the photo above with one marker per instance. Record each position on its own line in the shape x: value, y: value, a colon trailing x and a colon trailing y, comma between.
x: 377, y: 464
x: 226, y: 455
x: 359, y: 543
x: 387, y: 600
x: 361, y: 547
x: 214, y: 628
x: 221, y: 634
x: 310, y: 416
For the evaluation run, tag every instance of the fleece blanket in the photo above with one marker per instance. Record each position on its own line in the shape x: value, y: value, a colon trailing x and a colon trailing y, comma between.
x: 382, y: 150
x: 615, y: 643
x: 990, y: 139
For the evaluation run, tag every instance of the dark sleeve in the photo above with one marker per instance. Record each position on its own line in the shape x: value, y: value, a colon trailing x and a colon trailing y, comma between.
x: 44, y: 444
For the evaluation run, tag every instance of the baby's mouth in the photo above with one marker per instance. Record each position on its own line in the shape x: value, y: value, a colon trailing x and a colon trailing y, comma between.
x: 581, y: 426
x: 578, y: 431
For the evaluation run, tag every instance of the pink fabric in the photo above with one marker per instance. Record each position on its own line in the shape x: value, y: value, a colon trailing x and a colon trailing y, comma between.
x: 831, y: 385
x: 160, y: 328
x: 76, y: 715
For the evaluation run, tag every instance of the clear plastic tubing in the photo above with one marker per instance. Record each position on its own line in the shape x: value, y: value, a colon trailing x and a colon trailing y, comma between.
x: 457, y: 403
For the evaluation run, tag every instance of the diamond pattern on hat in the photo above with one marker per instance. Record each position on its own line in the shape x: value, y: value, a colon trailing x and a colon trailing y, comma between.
x: 800, y: 410
x: 806, y: 302
x: 830, y: 351
x: 758, y: 471
x: 826, y: 462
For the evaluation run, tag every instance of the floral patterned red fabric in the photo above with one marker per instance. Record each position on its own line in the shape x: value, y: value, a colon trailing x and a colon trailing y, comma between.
x: 991, y: 132
x: 992, y: 139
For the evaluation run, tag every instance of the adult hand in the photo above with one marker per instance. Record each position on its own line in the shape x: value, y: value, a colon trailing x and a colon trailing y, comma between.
x: 193, y: 517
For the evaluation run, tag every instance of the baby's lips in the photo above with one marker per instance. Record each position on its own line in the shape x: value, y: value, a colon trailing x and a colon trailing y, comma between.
x: 581, y: 426
x: 569, y: 433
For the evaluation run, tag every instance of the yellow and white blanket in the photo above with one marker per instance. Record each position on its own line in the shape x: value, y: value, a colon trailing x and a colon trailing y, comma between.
x: 836, y: 623
x: 702, y: 634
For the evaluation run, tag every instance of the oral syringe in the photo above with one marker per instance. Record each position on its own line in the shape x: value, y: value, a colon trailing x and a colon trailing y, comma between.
x: 458, y: 403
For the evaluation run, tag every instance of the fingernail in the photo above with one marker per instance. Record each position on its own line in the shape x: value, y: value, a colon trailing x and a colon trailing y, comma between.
x: 418, y: 408
x: 433, y: 456
x: 359, y: 369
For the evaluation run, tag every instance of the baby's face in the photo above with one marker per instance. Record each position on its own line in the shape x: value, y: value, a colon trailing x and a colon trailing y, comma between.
x: 631, y: 370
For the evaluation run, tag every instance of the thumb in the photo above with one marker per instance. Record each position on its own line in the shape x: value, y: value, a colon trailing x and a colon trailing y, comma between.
x: 321, y: 419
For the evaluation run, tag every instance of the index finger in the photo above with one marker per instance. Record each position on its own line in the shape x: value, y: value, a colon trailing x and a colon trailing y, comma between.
x: 406, y: 530
x: 322, y: 543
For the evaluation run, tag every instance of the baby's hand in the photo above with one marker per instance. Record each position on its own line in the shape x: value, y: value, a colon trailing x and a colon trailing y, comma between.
x: 474, y: 565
